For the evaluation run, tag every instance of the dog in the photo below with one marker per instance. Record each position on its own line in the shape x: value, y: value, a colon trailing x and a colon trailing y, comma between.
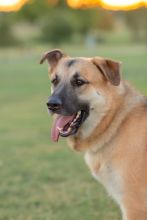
x: 106, y: 118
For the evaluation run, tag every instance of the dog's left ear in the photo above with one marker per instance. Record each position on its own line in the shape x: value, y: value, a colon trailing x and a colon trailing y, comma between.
x: 52, y: 57
x: 109, y: 68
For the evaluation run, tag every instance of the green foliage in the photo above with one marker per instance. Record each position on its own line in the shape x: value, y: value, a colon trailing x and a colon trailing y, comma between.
x: 7, y: 37
x: 93, y: 19
x: 60, y: 24
x: 36, y: 9
x: 137, y: 22
x: 57, y: 27
x: 32, y: 11
x: 103, y: 20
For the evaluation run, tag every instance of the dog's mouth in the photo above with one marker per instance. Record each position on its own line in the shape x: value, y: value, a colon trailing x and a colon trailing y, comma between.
x: 68, y: 125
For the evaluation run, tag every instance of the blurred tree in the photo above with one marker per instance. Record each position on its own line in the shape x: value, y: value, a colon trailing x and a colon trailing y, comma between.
x: 58, y: 23
x: 93, y: 19
x: 33, y: 10
x: 61, y: 24
x: 103, y: 20
x: 56, y: 27
x: 137, y: 22
x: 7, y: 37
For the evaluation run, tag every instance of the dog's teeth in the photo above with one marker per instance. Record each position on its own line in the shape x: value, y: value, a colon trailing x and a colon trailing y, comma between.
x: 69, y: 129
x: 66, y: 132
x: 75, y: 119
x: 79, y: 113
x: 77, y: 116
x: 71, y: 124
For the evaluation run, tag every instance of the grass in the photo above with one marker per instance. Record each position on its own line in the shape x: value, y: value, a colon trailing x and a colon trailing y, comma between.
x: 40, y: 180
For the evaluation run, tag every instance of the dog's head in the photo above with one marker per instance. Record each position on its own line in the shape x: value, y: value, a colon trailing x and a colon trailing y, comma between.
x: 82, y: 91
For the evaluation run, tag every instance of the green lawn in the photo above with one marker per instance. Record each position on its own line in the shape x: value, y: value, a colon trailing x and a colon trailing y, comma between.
x: 40, y: 180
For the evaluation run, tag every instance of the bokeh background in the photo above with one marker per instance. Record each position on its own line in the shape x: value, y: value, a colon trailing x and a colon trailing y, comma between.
x: 40, y: 180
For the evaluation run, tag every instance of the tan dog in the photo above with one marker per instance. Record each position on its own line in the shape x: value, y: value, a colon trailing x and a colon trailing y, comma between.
x: 105, y: 118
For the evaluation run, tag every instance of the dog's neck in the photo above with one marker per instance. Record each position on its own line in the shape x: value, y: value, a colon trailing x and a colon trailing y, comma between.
x: 107, y: 127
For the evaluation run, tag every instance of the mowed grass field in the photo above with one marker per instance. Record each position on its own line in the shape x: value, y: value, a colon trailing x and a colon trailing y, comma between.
x: 40, y: 180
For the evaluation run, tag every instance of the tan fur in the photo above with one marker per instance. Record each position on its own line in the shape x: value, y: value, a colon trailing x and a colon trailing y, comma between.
x: 116, y: 151
x: 114, y: 136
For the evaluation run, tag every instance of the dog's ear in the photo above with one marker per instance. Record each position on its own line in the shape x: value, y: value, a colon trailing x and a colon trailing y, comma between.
x: 109, y: 68
x: 52, y: 57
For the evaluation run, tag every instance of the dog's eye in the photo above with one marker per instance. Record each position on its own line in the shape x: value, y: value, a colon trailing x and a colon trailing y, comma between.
x: 55, y: 81
x: 79, y: 82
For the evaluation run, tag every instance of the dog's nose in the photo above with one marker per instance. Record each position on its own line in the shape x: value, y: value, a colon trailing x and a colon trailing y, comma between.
x: 54, y: 104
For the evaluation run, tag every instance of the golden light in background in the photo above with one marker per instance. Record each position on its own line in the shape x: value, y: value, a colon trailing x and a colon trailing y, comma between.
x: 108, y: 4
x: 11, y: 5
x: 14, y: 5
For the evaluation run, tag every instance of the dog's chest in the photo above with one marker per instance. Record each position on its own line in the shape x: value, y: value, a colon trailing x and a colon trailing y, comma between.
x: 105, y: 173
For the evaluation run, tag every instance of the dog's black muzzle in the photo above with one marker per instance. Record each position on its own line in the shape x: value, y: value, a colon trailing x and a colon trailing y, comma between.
x: 67, y: 104
x: 54, y: 104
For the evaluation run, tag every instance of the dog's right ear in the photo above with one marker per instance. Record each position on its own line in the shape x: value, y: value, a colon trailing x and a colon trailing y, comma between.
x: 52, y: 57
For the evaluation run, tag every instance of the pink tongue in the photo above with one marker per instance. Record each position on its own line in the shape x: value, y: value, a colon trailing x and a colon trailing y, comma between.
x: 60, y: 122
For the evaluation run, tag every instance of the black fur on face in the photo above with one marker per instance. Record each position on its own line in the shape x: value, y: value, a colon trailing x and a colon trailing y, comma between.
x: 70, y: 103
